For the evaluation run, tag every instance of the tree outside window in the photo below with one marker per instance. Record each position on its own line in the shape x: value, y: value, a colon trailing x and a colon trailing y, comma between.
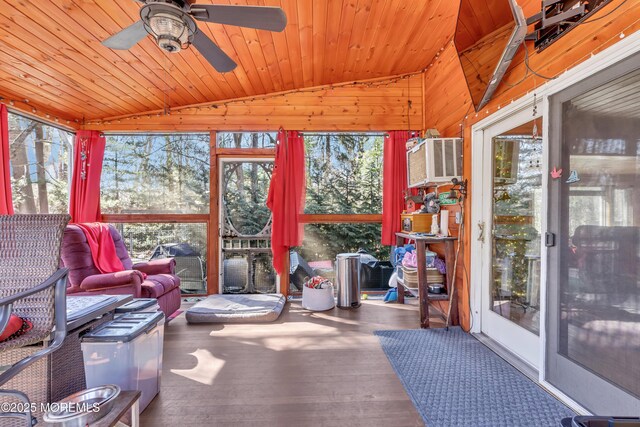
x: 40, y: 163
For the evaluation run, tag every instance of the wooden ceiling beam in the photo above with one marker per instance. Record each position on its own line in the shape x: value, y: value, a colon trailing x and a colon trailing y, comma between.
x: 384, y: 87
x: 345, y: 107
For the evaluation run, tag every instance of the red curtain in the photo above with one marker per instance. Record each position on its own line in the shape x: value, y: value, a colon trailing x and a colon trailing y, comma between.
x: 394, y: 183
x: 286, y: 196
x: 85, y: 184
x: 6, y: 203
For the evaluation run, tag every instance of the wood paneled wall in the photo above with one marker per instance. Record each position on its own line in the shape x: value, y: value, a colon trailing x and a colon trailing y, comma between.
x: 448, y: 105
x: 370, y: 105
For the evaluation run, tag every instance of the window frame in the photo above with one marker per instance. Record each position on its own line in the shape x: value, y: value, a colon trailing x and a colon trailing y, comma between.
x: 322, y: 218
x: 212, y: 219
x: 70, y: 146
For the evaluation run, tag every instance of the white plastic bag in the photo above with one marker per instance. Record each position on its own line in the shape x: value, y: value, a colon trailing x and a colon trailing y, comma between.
x: 393, y: 280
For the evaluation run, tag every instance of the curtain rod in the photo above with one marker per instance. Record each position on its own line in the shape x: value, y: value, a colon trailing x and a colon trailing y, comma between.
x: 127, y: 133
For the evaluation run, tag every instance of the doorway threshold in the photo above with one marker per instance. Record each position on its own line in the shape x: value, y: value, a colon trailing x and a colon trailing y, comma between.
x: 526, y: 369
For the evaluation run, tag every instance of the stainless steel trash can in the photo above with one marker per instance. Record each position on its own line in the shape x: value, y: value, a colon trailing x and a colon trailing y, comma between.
x: 348, y: 280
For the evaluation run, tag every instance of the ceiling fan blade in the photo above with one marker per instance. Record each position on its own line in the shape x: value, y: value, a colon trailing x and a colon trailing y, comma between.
x: 258, y: 17
x: 126, y: 38
x: 212, y: 53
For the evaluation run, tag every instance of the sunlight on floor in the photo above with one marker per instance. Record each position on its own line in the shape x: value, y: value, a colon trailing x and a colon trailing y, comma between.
x: 207, y: 368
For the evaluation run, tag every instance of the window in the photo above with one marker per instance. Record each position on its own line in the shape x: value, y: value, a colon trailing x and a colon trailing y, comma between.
x: 156, y: 174
x: 40, y: 159
x: 246, y: 139
x: 155, y: 188
x: 588, y: 207
x: 344, y: 173
x: 185, y: 243
x: 344, y: 195
x: 322, y: 242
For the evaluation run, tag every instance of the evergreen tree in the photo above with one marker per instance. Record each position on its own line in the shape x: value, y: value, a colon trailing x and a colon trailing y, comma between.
x: 344, y: 176
x: 39, y: 159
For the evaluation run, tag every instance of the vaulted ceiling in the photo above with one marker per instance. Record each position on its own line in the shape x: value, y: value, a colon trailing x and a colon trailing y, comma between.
x: 52, y: 55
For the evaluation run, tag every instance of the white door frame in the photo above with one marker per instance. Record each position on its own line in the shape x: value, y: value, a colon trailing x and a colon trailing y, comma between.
x: 627, y: 46
x: 498, y: 328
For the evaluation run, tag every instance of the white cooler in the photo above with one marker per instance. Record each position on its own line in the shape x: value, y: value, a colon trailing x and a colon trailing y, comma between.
x: 127, y: 352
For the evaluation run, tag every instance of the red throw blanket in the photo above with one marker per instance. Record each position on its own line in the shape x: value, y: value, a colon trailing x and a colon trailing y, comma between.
x: 103, y: 250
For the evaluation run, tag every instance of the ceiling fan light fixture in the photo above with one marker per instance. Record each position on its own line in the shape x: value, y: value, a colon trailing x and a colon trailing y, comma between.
x: 170, y: 32
x: 172, y: 24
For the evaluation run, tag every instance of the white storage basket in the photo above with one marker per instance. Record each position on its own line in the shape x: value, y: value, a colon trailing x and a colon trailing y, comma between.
x: 318, y: 299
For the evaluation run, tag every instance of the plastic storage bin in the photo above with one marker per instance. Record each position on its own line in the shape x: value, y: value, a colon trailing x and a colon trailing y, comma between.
x: 431, y: 259
x: 126, y: 351
x: 138, y: 305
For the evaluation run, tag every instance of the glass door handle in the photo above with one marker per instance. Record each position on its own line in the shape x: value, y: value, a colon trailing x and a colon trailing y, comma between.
x: 549, y: 239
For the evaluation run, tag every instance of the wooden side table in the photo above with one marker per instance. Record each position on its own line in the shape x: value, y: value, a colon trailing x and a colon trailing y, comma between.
x: 125, y: 402
x: 423, y: 290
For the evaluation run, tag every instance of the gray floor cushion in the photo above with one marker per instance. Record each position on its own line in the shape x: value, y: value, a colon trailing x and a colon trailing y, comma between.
x: 237, y: 308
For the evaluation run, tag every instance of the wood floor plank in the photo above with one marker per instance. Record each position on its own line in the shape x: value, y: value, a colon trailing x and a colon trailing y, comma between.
x: 306, y: 369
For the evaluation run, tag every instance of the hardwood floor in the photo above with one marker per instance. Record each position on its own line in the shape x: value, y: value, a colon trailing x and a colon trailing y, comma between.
x: 306, y: 369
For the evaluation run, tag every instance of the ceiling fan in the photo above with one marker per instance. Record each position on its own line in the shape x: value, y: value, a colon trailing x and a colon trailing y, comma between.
x: 172, y: 23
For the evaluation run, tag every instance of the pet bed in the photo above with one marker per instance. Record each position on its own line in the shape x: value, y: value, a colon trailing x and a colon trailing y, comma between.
x: 237, y: 308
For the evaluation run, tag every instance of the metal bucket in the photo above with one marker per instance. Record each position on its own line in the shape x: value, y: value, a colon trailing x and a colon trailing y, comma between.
x: 348, y: 280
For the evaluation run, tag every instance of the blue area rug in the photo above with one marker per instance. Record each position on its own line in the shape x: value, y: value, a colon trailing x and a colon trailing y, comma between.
x: 454, y: 380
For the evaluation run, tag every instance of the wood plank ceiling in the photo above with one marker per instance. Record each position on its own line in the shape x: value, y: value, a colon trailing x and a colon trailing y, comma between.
x: 478, y: 19
x: 52, y: 56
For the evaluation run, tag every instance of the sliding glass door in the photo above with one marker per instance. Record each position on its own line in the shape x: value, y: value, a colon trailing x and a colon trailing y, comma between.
x: 593, y: 315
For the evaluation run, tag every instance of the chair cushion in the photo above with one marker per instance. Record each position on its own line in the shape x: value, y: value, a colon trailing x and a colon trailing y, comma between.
x: 17, y: 326
x: 156, y: 285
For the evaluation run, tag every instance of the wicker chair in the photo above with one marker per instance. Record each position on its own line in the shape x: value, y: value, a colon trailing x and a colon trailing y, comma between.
x: 32, y: 287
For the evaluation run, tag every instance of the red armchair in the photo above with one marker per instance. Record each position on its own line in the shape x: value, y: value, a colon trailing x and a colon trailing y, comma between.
x: 161, y: 281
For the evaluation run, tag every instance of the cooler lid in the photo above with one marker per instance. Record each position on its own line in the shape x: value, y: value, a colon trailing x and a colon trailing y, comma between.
x: 125, y: 328
x: 136, y: 304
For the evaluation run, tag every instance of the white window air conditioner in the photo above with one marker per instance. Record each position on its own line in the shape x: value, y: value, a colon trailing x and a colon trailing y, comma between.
x: 434, y: 161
